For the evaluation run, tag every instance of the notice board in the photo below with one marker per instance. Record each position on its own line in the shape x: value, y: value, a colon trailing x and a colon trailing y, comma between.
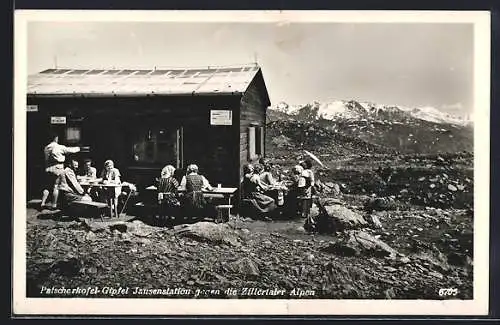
x: 221, y: 117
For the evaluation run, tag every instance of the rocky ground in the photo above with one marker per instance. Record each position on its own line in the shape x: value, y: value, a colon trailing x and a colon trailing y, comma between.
x: 398, y: 225
x: 388, y: 248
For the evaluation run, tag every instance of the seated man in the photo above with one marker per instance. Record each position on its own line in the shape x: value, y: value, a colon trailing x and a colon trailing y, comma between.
x: 88, y: 170
x: 69, y: 187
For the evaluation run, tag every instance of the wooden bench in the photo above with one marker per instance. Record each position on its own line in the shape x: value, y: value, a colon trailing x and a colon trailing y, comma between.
x: 96, y: 208
x: 223, y: 212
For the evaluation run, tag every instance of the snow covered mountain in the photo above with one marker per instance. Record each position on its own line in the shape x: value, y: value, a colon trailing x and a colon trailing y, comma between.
x: 354, y: 110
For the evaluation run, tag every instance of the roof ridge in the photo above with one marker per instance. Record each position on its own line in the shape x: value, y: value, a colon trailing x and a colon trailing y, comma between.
x: 121, y: 82
x: 153, y: 68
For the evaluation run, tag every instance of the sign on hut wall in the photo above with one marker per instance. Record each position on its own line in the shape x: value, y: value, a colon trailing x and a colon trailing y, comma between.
x: 58, y: 120
x: 32, y: 108
x: 221, y: 117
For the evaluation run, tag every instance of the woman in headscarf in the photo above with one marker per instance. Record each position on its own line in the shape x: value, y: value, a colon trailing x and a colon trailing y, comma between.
x: 252, y: 188
x: 167, y: 183
x: 194, y: 184
x: 167, y: 186
x: 111, y: 175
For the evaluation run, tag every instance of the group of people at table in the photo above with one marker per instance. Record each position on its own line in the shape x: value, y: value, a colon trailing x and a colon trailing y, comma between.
x: 261, y: 191
x: 264, y: 193
x: 69, y: 184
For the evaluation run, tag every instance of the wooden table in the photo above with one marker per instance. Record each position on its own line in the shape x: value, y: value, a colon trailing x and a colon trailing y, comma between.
x: 86, y: 183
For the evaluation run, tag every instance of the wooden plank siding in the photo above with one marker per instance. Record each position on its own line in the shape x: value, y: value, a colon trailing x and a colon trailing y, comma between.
x: 252, y: 113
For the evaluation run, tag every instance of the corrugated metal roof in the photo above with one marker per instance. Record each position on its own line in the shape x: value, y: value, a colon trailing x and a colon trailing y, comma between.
x: 100, y: 82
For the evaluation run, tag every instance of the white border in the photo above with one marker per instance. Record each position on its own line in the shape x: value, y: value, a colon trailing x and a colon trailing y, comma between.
x: 53, y: 306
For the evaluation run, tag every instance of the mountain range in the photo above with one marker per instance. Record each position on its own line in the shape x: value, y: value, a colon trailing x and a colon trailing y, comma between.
x: 343, y: 128
x: 354, y: 110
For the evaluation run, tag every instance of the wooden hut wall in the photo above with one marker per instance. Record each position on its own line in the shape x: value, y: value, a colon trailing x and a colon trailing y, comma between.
x: 108, y: 126
x: 252, y: 123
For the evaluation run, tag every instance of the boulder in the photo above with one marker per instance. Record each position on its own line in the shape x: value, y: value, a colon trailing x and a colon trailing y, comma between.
x: 210, y: 232
x: 245, y: 266
x: 358, y: 243
x: 380, y: 203
x: 121, y: 227
x: 140, y: 229
x: 337, y: 218
x: 434, y: 258
x: 374, y: 221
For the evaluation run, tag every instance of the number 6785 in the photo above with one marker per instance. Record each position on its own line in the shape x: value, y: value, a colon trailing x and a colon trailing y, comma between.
x: 443, y: 292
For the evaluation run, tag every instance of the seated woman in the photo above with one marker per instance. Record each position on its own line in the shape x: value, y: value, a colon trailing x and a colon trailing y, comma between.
x: 167, y: 185
x: 194, y: 203
x: 252, y: 188
x: 111, y: 175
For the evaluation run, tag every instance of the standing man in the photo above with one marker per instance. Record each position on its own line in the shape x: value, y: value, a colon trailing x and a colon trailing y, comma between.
x: 55, y: 155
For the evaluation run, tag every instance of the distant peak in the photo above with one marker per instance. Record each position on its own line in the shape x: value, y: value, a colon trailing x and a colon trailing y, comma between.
x: 354, y: 109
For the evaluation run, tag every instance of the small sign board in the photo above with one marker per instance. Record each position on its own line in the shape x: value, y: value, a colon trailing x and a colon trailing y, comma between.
x: 58, y: 120
x: 221, y: 117
x: 32, y: 108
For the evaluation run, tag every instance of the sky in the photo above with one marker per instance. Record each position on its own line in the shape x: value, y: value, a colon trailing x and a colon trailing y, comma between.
x: 410, y: 64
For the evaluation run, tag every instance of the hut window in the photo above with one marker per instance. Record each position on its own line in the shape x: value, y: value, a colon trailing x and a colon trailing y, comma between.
x: 155, y: 145
x: 73, y: 134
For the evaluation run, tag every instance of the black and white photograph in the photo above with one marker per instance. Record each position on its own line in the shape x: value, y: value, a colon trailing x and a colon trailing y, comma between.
x: 286, y: 163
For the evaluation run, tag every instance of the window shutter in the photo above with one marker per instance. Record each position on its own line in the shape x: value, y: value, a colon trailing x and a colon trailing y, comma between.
x: 251, y: 143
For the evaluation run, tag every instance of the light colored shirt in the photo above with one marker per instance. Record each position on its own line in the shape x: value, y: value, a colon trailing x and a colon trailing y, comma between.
x: 69, y: 183
x: 112, y: 175
x: 206, y: 184
x: 55, y: 153
x: 307, y: 173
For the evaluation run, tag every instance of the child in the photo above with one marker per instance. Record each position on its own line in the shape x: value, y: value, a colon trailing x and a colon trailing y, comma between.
x: 111, y: 175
